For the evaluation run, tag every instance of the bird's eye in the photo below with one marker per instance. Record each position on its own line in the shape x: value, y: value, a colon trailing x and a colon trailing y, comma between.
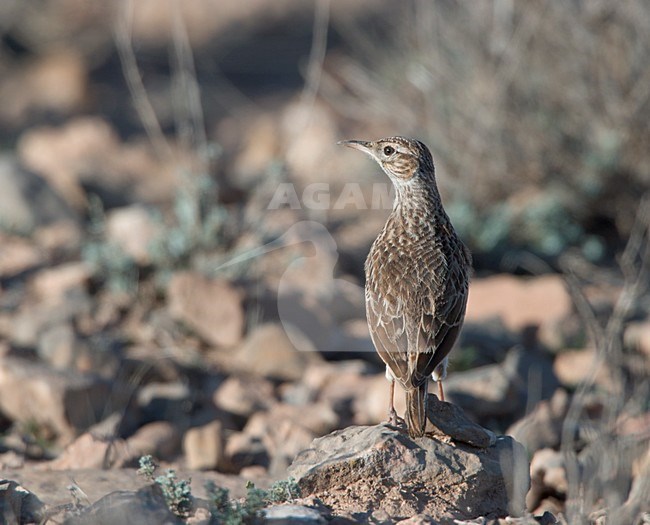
x: 389, y: 150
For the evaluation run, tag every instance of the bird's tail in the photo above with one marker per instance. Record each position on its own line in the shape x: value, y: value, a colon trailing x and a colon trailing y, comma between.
x: 416, y: 410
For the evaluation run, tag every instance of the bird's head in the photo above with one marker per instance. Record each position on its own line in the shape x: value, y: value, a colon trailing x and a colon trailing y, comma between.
x: 402, y: 159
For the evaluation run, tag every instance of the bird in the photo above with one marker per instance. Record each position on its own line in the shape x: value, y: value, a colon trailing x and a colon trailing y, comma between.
x: 417, y: 278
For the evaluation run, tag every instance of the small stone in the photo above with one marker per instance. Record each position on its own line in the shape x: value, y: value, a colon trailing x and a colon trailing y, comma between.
x: 637, y: 335
x: 27, y: 200
x: 546, y: 519
x: 52, y: 284
x: 65, y: 402
x: 165, y: 401
x: 58, y: 346
x: 244, y: 450
x: 54, y: 82
x: 270, y: 353
x: 543, y: 426
x: 292, y: 515
x: 133, y: 230
x: 11, y: 459
x: 572, y: 367
x: 210, y: 307
x: 62, y: 236
x: 547, y: 473
x: 420, y: 519
x: 203, y: 446
x: 243, y: 396
x: 452, y: 422
x: 87, y: 452
x: 18, y: 505
x: 17, y: 255
x: 159, y: 439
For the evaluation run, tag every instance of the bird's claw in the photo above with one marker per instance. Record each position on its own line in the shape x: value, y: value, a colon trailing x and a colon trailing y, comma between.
x: 394, y: 420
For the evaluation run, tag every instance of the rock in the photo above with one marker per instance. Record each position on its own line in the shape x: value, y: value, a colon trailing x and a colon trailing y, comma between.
x: 420, y: 519
x: 59, y: 237
x: 245, y: 450
x: 58, y: 346
x: 501, y: 390
x: 637, y: 335
x: 243, y: 396
x: 542, y: 302
x: 268, y: 352
x: 26, y: 200
x: 18, y: 505
x: 451, y: 421
x: 18, y: 255
x: 65, y: 402
x: 133, y: 230
x: 542, y: 428
x: 147, y: 506
x: 572, y: 367
x: 11, y: 459
x: 86, y: 452
x: 159, y: 439
x: 52, y: 284
x: 381, y: 468
x: 292, y: 515
x: 165, y: 401
x: 50, y: 83
x: 548, y: 476
x: 204, y: 446
x: 210, y: 307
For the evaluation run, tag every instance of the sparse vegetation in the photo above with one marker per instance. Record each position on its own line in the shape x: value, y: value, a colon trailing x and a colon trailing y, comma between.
x: 115, y: 269
x: 223, y: 509
x: 245, y: 511
x: 177, y: 492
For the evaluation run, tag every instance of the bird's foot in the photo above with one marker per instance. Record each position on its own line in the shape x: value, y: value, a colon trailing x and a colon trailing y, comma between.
x: 395, y: 421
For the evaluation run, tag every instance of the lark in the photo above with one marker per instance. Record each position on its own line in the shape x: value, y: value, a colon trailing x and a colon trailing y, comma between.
x: 417, y: 278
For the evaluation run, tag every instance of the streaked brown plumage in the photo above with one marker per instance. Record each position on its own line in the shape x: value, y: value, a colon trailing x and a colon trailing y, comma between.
x: 417, y: 277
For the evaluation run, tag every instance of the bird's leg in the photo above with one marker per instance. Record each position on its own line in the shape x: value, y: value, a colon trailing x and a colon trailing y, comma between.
x: 393, y: 419
x: 392, y: 415
x: 441, y: 392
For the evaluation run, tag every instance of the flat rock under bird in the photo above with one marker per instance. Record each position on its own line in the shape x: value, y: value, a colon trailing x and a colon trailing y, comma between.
x: 417, y: 277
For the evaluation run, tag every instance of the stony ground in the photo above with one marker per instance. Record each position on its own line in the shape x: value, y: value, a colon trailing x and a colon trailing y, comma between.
x: 151, y: 304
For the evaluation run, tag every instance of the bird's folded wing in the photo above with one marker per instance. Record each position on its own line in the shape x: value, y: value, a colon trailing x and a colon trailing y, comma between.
x: 388, y: 333
x: 439, y: 326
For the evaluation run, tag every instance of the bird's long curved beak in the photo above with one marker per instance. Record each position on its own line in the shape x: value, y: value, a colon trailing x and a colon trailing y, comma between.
x: 361, y: 145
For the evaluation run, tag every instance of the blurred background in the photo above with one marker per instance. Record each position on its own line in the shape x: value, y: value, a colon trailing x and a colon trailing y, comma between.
x: 149, y: 287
